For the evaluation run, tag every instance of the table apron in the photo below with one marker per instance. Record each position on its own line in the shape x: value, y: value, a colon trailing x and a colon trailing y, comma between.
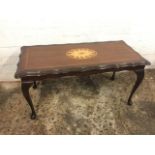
x: 40, y: 77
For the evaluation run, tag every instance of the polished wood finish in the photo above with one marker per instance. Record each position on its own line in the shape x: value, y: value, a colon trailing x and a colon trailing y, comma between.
x: 52, y: 61
x: 25, y: 89
x: 140, y: 76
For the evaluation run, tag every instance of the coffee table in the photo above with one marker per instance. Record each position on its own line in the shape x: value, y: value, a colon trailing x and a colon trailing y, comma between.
x: 76, y: 59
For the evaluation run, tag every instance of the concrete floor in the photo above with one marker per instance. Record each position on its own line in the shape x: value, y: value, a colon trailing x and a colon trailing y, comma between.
x: 75, y: 105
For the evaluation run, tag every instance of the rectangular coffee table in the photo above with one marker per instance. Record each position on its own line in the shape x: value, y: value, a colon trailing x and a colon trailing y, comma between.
x: 52, y: 61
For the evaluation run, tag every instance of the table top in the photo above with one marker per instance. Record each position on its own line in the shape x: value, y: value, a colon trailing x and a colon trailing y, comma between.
x: 58, y: 58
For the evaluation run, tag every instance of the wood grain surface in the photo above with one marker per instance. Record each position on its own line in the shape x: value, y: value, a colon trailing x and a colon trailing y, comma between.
x: 43, y: 59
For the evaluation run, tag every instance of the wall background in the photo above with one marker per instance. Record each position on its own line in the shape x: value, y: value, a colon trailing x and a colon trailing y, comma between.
x: 30, y: 22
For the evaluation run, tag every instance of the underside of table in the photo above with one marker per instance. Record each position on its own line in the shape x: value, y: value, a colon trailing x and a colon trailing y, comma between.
x: 29, y: 82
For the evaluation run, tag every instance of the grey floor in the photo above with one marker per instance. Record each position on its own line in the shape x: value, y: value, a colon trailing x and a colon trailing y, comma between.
x: 73, y: 105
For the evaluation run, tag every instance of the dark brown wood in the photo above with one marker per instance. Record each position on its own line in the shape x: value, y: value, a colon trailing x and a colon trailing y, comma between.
x: 34, y: 85
x: 113, y: 76
x: 140, y: 76
x: 25, y: 89
x: 52, y: 61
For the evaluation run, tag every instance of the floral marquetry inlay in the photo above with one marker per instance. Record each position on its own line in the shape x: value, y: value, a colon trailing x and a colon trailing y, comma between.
x: 81, y: 53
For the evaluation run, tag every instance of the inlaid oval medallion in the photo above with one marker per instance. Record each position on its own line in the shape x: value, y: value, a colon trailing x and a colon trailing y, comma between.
x: 81, y: 53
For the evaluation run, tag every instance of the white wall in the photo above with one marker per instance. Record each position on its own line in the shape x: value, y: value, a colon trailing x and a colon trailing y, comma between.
x: 30, y: 22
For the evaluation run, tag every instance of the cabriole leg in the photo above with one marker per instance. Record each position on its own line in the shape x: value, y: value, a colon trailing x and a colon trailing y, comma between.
x: 34, y: 85
x: 140, y: 77
x: 25, y: 89
x: 113, y: 76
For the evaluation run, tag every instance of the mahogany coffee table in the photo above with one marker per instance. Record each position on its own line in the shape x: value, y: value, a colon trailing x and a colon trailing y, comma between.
x: 52, y: 61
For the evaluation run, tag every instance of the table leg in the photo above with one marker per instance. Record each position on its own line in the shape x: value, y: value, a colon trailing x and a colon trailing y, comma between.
x: 113, y: 76
x: 34, y: 85
x: 25, y: 89
x: 140, y: 77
